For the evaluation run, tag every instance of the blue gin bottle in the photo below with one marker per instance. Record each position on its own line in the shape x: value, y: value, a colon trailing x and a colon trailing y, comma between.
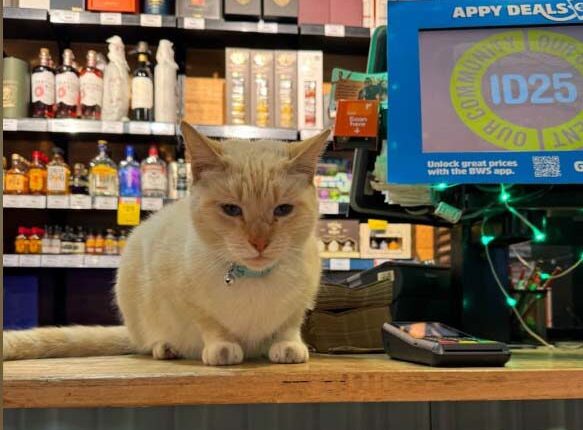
x: 129, y: 175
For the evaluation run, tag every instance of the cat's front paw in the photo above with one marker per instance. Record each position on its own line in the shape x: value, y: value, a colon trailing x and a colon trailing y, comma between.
x: 222, y: 354
x: 288, y: 352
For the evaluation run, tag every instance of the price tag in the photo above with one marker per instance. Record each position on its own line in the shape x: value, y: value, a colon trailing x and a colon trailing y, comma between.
x: 334, y: 30
x: 10, y: 260
x: 163, y: 128
x: 65, y: 16
x: 34, y: 202
x: 113, y: 127
x: 92, y: 261
x: 194, y: 23
x: 29, y: 260
x: 139, y: 127
x: 9, y: 124
x: 152, y: 204
x: 61, y: 125
x: 79, y: 201
x: 105, y: 203
x: 9, y: 201
x: 110, y: 261
x: 128, y: 211
x: 267, y: 27
x: 51, y: 261
x: 106, y: 18
x: 72, y: 260
x: 329, y: 208
x: 58, y: 202
x: 340, y: 264
x: 33, y: 124
x: 378, y: 224
x: 148, y: 20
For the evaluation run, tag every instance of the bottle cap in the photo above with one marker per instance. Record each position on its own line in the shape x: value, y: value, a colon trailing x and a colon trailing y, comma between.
x: 91, y: 58
x: 21, y: 230
x: 153, y: 151
x: 129, y: 151
x: 56, y: 150
x: 68, y: 57
x: 36, y: 155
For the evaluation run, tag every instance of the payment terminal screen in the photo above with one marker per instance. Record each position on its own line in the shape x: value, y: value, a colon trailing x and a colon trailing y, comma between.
x: 492, y: 90
x: 421, y: 329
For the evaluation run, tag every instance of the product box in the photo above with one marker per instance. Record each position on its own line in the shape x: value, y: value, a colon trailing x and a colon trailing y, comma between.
x: 210, y: 9
x: 34, y: 4
x: 21, y: 302
x: 285, y: 82
x: 280, y: 10
x: 333, y: 180
x: 346, y: 12
x: 242, y: 9
x: 76, y: 5
x: 314, y: 12
x: 204, y: 101
x: 338, y: 239
x: 128, y: 6
x: 424, y: 242
x: 392, y: 241
x: 310, y: 97
x: 380, y: 13
x: 368, y: 13
x: 237, y: 75
x: 262, y: 97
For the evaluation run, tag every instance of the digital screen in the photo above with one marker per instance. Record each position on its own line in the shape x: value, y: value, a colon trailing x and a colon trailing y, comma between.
x: 422, y: 329
x: 496, y: 90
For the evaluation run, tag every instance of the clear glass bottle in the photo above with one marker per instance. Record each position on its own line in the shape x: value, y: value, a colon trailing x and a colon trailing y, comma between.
x: 56, y: 240
x: 154, y: 175
x: 79, y: 182
x: 142, y: 102
x: 42, y: 82
x: 16, y: 177
x: 58, y: 174
x: 121, y: 241
x: 37, y: 175
x: 177, y: 179
x: 91, y: 85
x: 129, y: 175
x: 110, y: 247
x: 67, y: 241
x: 79, y: 241
x: 67, y: 83
x: 103, y: 180
x: 46, y: 243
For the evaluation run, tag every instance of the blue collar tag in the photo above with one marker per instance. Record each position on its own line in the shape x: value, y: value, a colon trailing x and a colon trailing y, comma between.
x: 238, y: 271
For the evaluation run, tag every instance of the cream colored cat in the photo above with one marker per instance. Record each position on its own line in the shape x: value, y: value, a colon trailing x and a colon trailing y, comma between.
x: 225, y: 274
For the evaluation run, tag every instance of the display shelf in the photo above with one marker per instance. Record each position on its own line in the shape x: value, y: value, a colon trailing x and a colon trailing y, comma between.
x: 236, y: 26
x: 76, y: 202
x: 80, y: 126
x: 72, y: 261
x: 335, y: 30
x: 333, y: 208
x: 25, y: 14
x: 247, y: 132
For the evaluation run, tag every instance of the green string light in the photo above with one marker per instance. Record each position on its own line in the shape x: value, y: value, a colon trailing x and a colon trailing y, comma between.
x: 486, y: 239
x: 544, y: 276
x: 511, y: 301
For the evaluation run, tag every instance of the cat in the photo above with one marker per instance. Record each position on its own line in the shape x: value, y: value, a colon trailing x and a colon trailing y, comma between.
x: 224, y: 274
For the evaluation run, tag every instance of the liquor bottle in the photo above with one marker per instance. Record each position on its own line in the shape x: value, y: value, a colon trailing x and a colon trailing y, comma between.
x: 157, y: 7
x: 79, y: 183
x: 99, y: 243
x: 129, y: 175
x: 79, y: 241
x: 121, y: 241
x: 21, y: 243
x: 177, y: 179
x: 46, y: 240
x: 110, y: 243
x: 37, y: 175
x: 91, y: 84
x: 90, y: 243
x: 43, y: 86
x: 154, y: 177
x: 34, y: 241
x: 67, y: 241
x: 67, y: 82
x: 142, y: 103
x: 16, y: 177
x: 56, y: 240
x: 103, y: 179
x: 58, y: 174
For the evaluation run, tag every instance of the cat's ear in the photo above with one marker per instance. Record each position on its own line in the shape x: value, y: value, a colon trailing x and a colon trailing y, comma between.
x: 304, y: 155
x: 205, y: 154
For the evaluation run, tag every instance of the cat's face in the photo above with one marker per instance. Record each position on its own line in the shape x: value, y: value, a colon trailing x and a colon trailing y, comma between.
x: 255, y: 200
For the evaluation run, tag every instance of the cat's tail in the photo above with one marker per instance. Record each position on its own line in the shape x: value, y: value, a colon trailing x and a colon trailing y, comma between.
x: 74, y: 341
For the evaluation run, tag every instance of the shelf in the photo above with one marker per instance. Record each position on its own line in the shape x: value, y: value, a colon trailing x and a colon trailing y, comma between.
x: 348, y: 264
x: 247, y: 132
x: 79, y: 126
x: 76, y: 202
x: 139, y: 381
x: 72, y: 261
x: 236, y: 26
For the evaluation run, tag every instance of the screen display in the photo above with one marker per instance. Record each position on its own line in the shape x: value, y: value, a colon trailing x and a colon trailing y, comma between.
x: 493, y: 90
x: 420, y: 330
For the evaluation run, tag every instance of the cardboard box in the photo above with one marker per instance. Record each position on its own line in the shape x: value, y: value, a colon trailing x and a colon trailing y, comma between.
x: 262, y: 96
x: 338, y: 239
x: 280, y: 10
x: 346, y: 12
x: 76, y: 5
x: 210, y: 9
x: 380, y: 13
x: 424, y: 242
x: 237, y: 75
x: 393, y: 242
x: 314, y: 12
x: 204, y: 101
x: 242, y: 9
x: 285, y: 81
x: 310, y: 97
x: 128, y: 6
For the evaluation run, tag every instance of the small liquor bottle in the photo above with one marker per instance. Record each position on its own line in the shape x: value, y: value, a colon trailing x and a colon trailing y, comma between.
x: 154, y: 176
x: 67, y: 81
x: 103, y: 179
x: 21, y: 242
x: 16, y: 177
x: 129, y: 175
x: 79, y: 182
x: 37, y: 175
x: 43, y: 86
x: 34, y: 241
x: 91, y: 83
x: 79, y: 241
x: 58, y: 174
x: 142, y: 103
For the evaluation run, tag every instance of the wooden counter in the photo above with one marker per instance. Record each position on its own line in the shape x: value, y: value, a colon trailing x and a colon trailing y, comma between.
x: 141, y: 381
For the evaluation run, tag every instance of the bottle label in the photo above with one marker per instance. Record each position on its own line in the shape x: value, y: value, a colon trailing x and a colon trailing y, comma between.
x: 142, y: 93
x: 15, y: 183
x: 104, y: 180
x: 56, y: 179
x: 67, y: 88
x: 36, y: 178
x: 35, y: 246
x: 91, y: 89
x: 43, y: 87
x: 129, y: 181
x: 9, y: 93
x: 153, y: 178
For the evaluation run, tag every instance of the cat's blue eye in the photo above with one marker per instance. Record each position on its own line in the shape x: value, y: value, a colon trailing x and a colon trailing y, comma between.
x: 232, y: 210
x: 283, y: 210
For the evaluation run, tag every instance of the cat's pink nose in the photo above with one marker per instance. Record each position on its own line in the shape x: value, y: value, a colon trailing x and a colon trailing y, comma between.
x: 259, y: 243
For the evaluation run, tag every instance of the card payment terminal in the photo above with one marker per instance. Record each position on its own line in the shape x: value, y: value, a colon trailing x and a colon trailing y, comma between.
x: 436, y: 344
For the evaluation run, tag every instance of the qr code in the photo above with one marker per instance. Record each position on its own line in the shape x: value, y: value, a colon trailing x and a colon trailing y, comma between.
x: 547, y: 166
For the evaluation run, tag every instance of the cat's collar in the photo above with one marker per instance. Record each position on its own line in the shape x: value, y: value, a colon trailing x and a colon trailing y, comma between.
x: 239, y: 271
